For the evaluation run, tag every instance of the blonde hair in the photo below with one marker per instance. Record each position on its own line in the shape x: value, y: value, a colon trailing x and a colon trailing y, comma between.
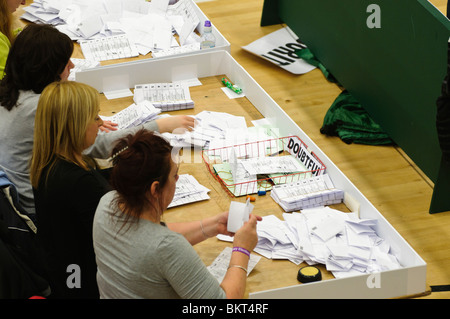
x: 63, y: 114
x: 6, y: 21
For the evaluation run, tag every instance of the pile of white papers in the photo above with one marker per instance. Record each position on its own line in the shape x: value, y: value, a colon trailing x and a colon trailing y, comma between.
x: 134, y: 115
x: 307, y: 193
x: 188, y: 190
x: 149, y: 26
x: 211, y: 130
x: 345, y: 244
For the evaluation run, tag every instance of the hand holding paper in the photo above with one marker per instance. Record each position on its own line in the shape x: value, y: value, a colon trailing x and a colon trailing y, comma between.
x: 238, y: 214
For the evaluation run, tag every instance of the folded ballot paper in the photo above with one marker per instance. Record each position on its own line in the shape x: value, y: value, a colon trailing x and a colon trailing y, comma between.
x: 188, y: 190
x: 135, y: 114
x: 344, y: 243
x: 307, y: 193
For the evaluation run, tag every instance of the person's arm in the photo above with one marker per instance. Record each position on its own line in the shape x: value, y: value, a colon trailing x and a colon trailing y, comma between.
x: 175, y: 124
x: 199, y: 230
x: 104, y: 143
x: 235, y: 279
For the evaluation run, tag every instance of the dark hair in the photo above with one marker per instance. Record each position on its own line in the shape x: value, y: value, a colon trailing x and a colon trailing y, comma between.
x: 37, y: 57
x: 138, y: 161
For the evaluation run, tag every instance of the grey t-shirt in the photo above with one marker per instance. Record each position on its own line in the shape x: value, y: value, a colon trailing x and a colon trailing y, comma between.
x: 147, y: 260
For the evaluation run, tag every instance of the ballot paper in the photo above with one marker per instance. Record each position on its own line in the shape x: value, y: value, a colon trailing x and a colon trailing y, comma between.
x: 219, y: 266
x: 238, y: 214
x: 133, y: 115
x: 272, y: 165
x: 165, y: 96
x: 307, y: 193
x: 344, y: 243
x: 81, y: 65
x: 109, y: 48
x: 188, y: 190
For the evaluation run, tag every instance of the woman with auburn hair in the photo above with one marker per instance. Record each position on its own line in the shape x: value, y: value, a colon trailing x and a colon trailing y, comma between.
x: 140, y: 256
x: 67, y: 185
x: 7, y: 34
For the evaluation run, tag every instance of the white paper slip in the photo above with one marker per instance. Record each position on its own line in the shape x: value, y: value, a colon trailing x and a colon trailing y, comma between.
x: 188, y: 190
x: 238, y: 214
x: 219, y: 266
x: 133, y: 115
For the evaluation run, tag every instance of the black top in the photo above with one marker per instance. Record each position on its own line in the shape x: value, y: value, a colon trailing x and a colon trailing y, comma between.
x: 65, y: 208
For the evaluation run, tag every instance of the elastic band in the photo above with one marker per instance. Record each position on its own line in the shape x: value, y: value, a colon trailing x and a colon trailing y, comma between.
x: 237, y: 266
x: 242, y: 250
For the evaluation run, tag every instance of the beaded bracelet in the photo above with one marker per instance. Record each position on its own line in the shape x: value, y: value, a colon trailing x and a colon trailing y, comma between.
x: 242, y: 250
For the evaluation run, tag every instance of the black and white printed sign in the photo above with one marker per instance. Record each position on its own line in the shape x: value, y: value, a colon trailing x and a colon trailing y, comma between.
x: 279, y: 48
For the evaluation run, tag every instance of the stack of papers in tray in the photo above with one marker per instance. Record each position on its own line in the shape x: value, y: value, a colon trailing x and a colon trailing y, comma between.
x: 188, y: 190
x: 344, y: 243
x: 134, y: 115
x: 307, y: 193
x: 165, y: 96
x: 215, y: 129
x: 149, y: 26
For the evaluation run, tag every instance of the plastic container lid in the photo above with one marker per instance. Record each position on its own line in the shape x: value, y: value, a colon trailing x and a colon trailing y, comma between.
x: 207, y: 23
x: 309, y: 274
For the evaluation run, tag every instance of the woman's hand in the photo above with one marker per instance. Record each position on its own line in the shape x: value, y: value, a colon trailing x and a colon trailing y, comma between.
x: 247, y: 237
x: 108, y: 126
x: 175, y: 124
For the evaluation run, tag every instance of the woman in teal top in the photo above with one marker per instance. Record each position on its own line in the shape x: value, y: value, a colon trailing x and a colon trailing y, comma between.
x: 7, y: 35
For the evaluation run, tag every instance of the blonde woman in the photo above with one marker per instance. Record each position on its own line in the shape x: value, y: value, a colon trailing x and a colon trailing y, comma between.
x: 67, y: 185
x: 7, y: 34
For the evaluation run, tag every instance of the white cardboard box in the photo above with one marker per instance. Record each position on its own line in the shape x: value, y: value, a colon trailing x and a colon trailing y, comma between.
x: 407, y: 281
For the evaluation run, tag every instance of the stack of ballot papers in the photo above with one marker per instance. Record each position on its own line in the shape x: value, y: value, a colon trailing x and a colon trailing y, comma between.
x: 144, y: 26
x: 134, y: 115
x: 165, y: 96
x: 344, y: 243
x: 214, y: 129
x: 188, y: 190
x: 307, y: 193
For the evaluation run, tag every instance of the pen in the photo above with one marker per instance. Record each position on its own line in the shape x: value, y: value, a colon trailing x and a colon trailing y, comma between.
x: 231, y: 86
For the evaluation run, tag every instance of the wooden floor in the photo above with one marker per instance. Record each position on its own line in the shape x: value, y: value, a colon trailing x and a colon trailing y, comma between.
x: 383, y: 174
